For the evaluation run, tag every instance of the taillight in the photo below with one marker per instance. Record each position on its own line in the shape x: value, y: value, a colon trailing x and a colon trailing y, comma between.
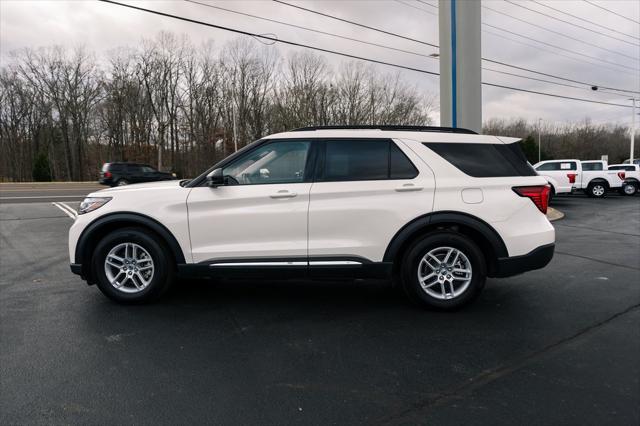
x: 538, y: 194
x: 622, y: 175
x: 107, y: 175
x: 572, y: 177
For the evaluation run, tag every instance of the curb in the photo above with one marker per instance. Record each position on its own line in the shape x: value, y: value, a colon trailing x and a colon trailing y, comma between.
x: 553, y: 214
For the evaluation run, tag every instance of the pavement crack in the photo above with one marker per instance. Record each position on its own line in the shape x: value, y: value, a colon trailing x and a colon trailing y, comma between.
x: 597, y: 260
x: 491, y: 375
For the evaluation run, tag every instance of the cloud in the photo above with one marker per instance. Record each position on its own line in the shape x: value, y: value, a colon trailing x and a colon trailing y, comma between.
x: 101, y: 27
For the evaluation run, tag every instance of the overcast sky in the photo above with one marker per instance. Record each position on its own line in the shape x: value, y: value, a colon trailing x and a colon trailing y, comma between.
x: 101, y: 27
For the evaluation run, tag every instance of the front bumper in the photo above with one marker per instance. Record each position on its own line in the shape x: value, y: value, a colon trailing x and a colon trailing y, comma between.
x: 535, y: 259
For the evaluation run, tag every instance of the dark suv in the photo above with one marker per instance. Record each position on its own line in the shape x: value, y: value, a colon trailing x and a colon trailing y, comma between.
x: 116, y: 174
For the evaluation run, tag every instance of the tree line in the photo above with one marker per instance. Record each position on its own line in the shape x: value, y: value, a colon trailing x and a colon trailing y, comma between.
x: 582, y: 141
x: 177, y: 106
x: 168, y: 103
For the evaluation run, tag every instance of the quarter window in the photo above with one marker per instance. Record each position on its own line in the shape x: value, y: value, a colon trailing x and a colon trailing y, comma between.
x: 484, y: 160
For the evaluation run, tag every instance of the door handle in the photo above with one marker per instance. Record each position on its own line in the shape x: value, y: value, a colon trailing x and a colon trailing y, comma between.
x: 283, y: 194
x: 408, y: 187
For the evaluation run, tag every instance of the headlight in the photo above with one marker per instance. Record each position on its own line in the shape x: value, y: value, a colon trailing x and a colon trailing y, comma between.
x: 90, y: 204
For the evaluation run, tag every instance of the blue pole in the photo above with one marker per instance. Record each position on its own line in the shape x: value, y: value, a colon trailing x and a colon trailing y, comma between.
x: 454, y: 89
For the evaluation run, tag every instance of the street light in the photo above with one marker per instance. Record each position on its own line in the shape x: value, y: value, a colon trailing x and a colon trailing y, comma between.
x: 539, y: 131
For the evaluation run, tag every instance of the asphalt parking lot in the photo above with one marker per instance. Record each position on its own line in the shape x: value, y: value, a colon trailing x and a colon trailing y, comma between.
x: 555, y: 346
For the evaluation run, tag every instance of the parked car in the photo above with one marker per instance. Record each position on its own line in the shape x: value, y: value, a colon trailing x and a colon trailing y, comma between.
x: 632, y: 177
x: 592, y: 177
x: 561, y: 174
x: 438, y: 210
x: 119, y: 174
x: 635, y: 161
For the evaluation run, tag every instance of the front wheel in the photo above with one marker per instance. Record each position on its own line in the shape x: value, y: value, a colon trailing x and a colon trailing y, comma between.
x: 132, y: 266
x: 444, y: 270
x: 596, y: 190
x: 629, y: 188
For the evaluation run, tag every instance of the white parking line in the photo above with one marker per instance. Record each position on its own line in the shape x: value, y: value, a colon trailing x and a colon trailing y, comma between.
x: 67, y: 210
x: 43, y: 196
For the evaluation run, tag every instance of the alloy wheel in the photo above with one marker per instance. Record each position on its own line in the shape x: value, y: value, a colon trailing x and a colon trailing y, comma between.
x: 129, y: 267
x: 444, y: 273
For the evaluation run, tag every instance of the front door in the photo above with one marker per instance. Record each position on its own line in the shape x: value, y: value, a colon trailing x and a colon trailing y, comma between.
x: 260, y: 214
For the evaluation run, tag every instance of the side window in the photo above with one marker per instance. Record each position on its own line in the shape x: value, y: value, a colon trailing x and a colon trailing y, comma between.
x: 548, y: 167
x: 134, y: 168
x: 400, y: 167
x: 347, y: 160
x: 483, y: 159
x: 147, y: 169
x: 275, y: 162
x: 591, y: 166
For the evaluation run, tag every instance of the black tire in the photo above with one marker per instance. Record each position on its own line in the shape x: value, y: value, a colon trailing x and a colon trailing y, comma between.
x: 122, y: 182
x: 597, y: 190
x: 629, y: 188
x: 412, y: 259
x: 163, y: 262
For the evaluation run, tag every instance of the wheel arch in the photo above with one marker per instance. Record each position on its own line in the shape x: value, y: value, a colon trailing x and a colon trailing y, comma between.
x: 475, y: 228
x: 97, y: 229
x: 599, y: 180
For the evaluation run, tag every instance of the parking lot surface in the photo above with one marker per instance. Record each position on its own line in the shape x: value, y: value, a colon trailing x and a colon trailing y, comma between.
x: 554, y: 346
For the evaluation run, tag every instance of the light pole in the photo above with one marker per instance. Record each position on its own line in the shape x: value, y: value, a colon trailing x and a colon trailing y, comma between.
x: 539, y: 131
x: 633, y: 129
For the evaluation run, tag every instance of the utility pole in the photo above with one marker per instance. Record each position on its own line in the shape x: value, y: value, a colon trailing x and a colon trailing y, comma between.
x: 233, y: 115
x: 539, y: 132
x: 460, y: 72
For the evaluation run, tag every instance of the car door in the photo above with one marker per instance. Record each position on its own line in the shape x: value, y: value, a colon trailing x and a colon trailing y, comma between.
x: 135, y: 173
x: 365, y: 191
x: 260, y: 215
x: 149, y: 174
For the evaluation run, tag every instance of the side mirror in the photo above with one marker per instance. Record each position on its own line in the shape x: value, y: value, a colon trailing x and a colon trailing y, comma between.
x: 215, y: 178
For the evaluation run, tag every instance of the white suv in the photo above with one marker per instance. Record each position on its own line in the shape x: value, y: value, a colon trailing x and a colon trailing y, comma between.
x: 436, y: 209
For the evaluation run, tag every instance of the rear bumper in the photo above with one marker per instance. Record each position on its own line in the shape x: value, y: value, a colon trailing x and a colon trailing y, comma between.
x: 535, y: 259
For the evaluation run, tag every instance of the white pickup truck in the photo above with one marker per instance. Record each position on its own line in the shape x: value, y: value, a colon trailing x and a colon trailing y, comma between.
x: 631, y: 182
x: 593, y: 177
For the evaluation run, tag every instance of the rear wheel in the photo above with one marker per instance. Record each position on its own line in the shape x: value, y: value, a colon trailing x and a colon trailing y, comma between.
x: 597, y: 190
x: 122, y: 182
x: 132, y: 266
x: 444, y: 270
x: 629, y: 188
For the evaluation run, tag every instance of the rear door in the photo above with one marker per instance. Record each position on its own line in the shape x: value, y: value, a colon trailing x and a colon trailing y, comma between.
x: 365, y: 190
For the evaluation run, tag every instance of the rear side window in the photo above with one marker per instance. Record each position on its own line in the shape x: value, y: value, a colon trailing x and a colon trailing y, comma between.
x: 484, y: 160
x: 365, y: 159
x: 627, y: 168
x: 557, y: 165
x: 592, y: 166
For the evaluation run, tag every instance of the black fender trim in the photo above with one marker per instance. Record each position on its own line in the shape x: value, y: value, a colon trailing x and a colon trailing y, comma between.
x: 449, y: 217
x: 135, y: 218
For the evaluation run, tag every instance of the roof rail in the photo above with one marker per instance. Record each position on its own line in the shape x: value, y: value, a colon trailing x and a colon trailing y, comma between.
x: 397, y: 128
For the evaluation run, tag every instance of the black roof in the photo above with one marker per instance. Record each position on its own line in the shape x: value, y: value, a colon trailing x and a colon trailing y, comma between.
x: 397, y: 128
